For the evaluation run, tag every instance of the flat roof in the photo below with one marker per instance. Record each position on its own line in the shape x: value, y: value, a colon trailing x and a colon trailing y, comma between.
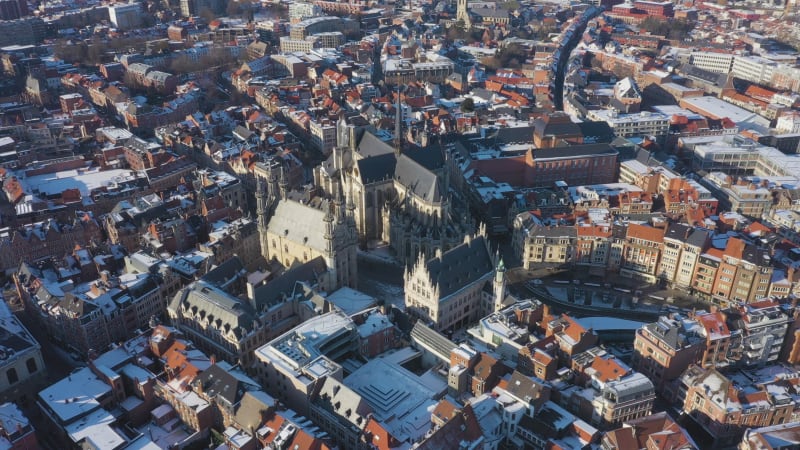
x: 351, y: 301
x: 719, y: 109
x: 299, y: 347
x: 84, y: 180
x: 399, y: 399
x: 96, y: 429
x: 75, y: 395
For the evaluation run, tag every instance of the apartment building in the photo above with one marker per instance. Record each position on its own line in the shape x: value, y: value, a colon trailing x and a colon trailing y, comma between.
x: 725, y: 410
x: 238, y: 238
x: 125, y: 16
x: 623, y: 400
x: 544, y: 244
x: 775, y: 437
x: 323, y: 24
x: 665, y: 349
x: 682, y: 247
x: 763, y: 326
x: 323, y: 135
x: 642, y: 252
x: 15, y: 428
x: 743, y: 274
x: 719, y: 340
x: 705, y: 273
x: 592, y: 247
x: 92, y: 315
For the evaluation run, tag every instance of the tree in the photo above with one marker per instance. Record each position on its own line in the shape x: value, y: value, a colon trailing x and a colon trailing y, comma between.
x: 468, y: 105
x: 677, y: 29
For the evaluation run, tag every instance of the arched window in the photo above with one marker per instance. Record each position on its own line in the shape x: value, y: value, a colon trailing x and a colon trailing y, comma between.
x: 31, y: 363
x: 12, y: 376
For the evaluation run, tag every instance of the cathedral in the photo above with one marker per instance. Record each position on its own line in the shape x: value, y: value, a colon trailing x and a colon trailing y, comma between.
x: 297, y: 228
x: 398, y: 197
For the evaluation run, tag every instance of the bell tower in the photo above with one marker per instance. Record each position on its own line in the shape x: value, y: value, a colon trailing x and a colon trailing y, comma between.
x: 499, y: 285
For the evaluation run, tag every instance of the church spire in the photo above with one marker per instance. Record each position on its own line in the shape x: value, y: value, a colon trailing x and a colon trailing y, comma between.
x: 284, y: 184
x: 330, y: 232
x: 351, y: 206
x: 398, y: 129
x: 261, y: 211
x: 338, y: 203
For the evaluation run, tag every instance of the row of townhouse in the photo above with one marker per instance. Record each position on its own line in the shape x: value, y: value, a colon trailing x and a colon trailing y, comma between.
x: 679, y: 255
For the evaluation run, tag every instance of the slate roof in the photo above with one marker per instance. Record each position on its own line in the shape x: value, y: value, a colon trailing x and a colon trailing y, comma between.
x: 524, y: 387
x: 432, y: 338
x: 376, y: 168
x: 335, y: 397
x: 461, y: 266
x: 430, y: 157
x: 253, y: 408
x: 555, y: 126
x: 217, y: 383
x: 236, y: 313
x: 690, y: 235
x: 417, y: 178
x: 300, y: 223
x: 370, y: 145
x: 718, y: 79
x: 270, y: 294
x: 597, y: 132
x: 514, y: 135
x: 225, y: 272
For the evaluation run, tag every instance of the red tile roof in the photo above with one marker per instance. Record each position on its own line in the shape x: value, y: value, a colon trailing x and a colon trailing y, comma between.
x: 645, y: 233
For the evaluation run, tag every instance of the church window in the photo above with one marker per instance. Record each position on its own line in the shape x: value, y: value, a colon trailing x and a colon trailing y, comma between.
x: 274, y: 245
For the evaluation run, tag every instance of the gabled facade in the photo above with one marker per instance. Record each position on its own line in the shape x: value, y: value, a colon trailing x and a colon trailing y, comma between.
x: 447, y: 290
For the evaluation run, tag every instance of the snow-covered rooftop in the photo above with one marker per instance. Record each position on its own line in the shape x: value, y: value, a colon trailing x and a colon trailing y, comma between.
x: 75, y: 395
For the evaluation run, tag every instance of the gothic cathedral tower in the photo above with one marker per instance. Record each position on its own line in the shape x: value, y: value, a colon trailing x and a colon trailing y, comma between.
x: 261, y: 214
x: 462, y: 13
